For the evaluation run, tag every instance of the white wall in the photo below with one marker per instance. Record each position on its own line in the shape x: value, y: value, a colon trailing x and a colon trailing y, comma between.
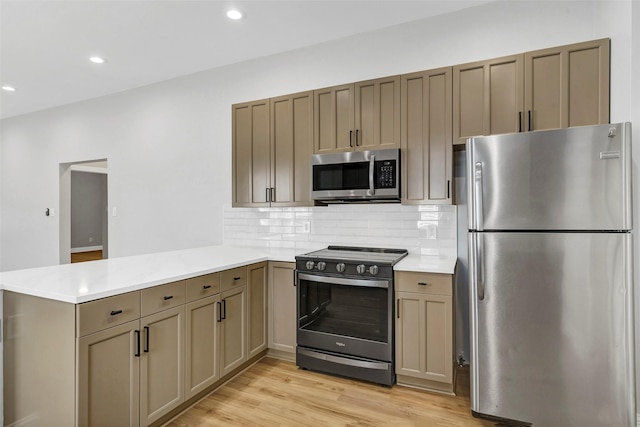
x: 168, y: 144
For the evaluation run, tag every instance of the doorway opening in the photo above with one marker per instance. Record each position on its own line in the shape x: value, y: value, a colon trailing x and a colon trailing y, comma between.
x: 84, y: 228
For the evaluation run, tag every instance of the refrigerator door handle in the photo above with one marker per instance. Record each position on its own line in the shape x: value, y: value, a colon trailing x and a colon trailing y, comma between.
x: 477, y: 203
x: 480, y: 265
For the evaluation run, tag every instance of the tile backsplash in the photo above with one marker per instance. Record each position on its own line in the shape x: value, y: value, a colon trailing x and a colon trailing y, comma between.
x: 423, y: 229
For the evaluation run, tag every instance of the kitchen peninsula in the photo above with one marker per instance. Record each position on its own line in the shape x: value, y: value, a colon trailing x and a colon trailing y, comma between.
x: 138, y: 338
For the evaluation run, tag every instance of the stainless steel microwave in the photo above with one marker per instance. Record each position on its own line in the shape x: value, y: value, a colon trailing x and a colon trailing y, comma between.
x: 356, y: 176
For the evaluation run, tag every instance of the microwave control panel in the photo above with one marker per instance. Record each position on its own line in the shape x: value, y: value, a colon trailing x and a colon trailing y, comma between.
x: 385, y: 173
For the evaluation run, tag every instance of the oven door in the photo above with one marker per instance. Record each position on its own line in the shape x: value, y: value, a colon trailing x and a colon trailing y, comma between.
x: 347, y: 316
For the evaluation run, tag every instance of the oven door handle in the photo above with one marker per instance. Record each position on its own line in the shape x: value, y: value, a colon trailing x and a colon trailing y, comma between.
x: 347, y: 282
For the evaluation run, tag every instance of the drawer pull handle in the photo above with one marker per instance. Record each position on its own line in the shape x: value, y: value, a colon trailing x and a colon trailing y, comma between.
x: 206, y: 286
x: 236, y: 278
x: 168, y: 297
x: 116, y: 312
x: 422, y: 283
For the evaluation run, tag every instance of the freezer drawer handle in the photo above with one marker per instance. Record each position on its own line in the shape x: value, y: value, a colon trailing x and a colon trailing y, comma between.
x: 604, y: 155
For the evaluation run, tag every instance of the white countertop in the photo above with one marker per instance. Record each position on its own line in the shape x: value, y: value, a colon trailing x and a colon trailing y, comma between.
x: 87, y: 281
x: 445, y: 264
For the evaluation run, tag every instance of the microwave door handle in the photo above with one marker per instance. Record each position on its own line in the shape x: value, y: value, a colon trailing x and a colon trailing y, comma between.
x: 372, y: 165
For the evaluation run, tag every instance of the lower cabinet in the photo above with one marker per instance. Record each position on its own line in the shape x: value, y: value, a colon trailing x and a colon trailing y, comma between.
x: 132, y: 359
x: 202, y: 362
x: 233, y: 329
x: 161, y: 363
x: 108, y: 377
x: 424, y: 330
x: 282, y: 304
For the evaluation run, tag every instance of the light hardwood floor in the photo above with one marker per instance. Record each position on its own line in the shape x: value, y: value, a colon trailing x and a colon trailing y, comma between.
x: 86, y: 256
x: 276, y: 393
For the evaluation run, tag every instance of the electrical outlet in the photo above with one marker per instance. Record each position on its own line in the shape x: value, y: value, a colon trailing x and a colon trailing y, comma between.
x: 432, y: 231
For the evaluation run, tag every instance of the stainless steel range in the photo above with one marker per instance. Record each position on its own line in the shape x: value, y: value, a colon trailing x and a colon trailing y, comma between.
x: 345, y: 312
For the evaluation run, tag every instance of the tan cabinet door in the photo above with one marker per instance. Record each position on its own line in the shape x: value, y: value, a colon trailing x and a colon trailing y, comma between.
x: 161, y: 363
x: 567, y: 85
x: 251, y: 154
x: 233, y: 329
x: 257, y: 308
x: 108, y: 386
x: 377, y: 114
x: 291, y: 149
x: 424, y: 336
x: 334, y: 119
x: 282, y: 303
x: 427, y: 150
x: 202, y: 364
x: 488, y: 97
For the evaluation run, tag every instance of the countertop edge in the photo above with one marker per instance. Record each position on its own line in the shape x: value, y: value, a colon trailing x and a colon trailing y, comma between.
x: 415, y: 263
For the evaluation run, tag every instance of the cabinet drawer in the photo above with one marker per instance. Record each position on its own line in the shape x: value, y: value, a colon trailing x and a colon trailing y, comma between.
x: 203, y: 286
x: 162, y: 297
x: 233, y: 278
x: 430, y: 283
x: 104, y: 313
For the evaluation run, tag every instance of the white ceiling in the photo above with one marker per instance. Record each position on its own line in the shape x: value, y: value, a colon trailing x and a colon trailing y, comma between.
x: 45, y: 44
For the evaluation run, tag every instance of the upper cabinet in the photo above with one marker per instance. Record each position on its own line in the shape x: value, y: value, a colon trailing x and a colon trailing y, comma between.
x: 427, y: 149
x: 272, y: 144
x: 545, y: 89
x: 567, y: 85
x: 358, y: 116
x: 251, y: 154
x: 488, y: 97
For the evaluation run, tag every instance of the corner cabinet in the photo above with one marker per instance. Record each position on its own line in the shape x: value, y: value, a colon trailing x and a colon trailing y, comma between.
x: 427, y: 149
x: 282, y: 313
x: 257, y: 308
x: 424, y: 330
x: 272, y: 144
x: 358, y: 116
x: 544, y: 89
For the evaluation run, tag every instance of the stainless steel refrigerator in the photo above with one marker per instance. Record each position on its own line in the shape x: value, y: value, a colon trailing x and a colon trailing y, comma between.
x: 550, y: 275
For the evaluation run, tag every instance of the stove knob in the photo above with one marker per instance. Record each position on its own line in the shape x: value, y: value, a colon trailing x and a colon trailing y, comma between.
x: 360, y: 269
x: 340, y: 267
x: 322, y: 265
x: 310, y: 265
x: 373, y: 270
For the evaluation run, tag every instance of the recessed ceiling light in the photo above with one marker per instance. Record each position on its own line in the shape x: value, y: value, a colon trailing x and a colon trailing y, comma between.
x: 9, y: 88
x: 235, y: 14
x: 97, y: 60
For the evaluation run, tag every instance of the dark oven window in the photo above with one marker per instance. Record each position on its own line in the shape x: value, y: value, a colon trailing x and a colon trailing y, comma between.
x: 354, y: 311
x: 343, y: 176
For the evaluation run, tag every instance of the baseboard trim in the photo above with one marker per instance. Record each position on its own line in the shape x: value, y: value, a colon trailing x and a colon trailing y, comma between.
x: 86, y: 249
